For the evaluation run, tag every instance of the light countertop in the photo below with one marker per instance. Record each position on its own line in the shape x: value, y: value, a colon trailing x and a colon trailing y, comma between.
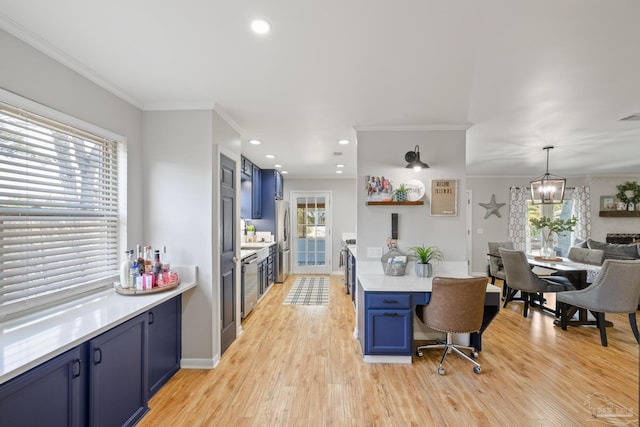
x: 248, y: 249
x: 30, y: 340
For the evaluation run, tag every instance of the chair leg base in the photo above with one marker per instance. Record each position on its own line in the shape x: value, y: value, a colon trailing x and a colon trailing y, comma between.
x: 449, y: 347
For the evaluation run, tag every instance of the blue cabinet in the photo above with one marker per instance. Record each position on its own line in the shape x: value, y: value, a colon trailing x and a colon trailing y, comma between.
x: 165, y: 347
x: 388, y: 324
x: 118, y: 374
x: 250, y: 190
x: 48, y: 395
x: 256, y: 193
x: 105, y: 381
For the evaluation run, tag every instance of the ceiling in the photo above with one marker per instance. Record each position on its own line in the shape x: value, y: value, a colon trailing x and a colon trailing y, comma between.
x: 518, y: 74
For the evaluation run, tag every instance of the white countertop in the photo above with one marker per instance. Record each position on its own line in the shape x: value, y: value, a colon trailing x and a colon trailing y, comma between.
x: 30, y: 340
x: 379, y: 282
x: 248, y: 249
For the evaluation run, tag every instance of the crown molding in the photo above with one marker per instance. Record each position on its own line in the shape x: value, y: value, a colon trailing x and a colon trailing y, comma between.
x: 49, y: 50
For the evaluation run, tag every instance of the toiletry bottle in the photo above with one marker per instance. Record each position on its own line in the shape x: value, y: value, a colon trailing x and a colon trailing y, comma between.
x: 124, y: 269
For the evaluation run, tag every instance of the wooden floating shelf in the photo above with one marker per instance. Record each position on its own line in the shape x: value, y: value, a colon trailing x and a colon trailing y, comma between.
x: 619, y: 214
x: 416, y: 203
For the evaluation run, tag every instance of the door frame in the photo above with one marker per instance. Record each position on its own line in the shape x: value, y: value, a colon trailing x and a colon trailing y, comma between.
x: 326, y: 268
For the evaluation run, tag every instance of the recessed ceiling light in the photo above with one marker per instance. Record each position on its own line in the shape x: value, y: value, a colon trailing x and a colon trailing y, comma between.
x: 338, y: 171
x: 260, y: 26
x: 343, y: 142
x: 277, y: 166
x: 270, y: 156
x: 340, y: 166
x: 255, y: 141
x: 284, y: 172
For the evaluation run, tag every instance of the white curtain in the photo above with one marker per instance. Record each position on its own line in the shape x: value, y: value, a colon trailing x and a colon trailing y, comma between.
x: 519, y: 219
x: 582, y: 211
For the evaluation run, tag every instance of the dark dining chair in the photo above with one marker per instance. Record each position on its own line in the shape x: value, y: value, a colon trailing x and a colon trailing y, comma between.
x: 521, y: 279
x: 616, y: 289
x: 456, y: 306
x: 494, y: 262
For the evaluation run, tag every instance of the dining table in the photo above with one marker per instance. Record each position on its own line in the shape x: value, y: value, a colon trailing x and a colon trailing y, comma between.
x: 579, y: 274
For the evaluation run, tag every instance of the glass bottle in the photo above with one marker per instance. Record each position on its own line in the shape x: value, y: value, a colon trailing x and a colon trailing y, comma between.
x: 148, y: 265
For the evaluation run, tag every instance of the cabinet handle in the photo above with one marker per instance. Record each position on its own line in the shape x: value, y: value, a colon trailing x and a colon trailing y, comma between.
x: 97, y: 356
x: 151, y: 318
x: 390, y: 301
x: 77, y: 368
x: 390, y: 314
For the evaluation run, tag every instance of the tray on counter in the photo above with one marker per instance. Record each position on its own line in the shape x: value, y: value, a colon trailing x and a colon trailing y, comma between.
x: 156, y: 289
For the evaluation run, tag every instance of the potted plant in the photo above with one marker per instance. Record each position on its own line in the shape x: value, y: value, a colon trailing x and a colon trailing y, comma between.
x: 401, y: 193
x: 423, y: 255
x: 550, y: 228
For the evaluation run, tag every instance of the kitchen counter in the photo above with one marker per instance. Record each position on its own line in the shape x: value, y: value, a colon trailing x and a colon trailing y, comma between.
x: 33, y: 339
x: 248, y: 249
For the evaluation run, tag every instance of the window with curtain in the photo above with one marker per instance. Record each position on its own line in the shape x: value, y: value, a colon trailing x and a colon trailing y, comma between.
x: 59, y: 211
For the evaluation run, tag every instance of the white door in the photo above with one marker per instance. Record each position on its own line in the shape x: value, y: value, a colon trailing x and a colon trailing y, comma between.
x: 311, y: 243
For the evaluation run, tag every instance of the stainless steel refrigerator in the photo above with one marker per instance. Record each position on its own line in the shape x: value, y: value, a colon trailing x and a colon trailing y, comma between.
x: 283, y: 237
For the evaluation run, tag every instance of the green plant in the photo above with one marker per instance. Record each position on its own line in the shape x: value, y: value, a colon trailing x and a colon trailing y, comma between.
x: 625, y: 190
x: 425, y: 254
x: 251, y: 228
x: 556, y: 225
x: 401, y: 193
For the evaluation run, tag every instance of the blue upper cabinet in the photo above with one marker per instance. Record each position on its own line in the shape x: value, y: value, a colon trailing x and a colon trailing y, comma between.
x: 250, y: 190
x: 256, y: 193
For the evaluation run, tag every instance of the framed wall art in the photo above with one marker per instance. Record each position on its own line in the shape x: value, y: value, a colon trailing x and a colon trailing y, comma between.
x: 444, y: 200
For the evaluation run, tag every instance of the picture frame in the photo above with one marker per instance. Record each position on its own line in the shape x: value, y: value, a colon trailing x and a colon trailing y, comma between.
x: 608, y: 203
x: 444, y: 197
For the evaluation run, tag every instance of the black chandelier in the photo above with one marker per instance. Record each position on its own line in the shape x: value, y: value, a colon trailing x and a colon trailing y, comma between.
x: 547, y: 189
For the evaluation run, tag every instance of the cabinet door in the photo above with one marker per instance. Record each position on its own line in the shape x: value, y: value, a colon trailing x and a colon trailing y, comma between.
x: 279, y: 186
x: 47, y: 395
x: 389, y: 332
x: 118, y: 374
x: 164, y: 342
x: 256, y: 193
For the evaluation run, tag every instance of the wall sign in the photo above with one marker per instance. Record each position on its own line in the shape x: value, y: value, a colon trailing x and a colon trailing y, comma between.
x: 444, y: 200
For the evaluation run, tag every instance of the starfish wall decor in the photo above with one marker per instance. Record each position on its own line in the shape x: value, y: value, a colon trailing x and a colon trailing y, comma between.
x: 493, y: 207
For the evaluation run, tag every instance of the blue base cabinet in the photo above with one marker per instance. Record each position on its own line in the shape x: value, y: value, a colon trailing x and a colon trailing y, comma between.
x: 389, y: 324
x: 118, y: 374
x: 106, y: 381
x: 165, y: 348
x: 49, y: 395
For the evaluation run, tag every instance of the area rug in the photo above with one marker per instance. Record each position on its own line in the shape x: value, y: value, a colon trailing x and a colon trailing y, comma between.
x: 308, y: 290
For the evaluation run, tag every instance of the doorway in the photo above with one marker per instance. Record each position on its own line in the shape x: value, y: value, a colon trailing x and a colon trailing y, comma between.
x: 312, y: 232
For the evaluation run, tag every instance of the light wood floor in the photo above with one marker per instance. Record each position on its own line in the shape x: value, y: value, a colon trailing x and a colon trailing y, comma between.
x: 301, y: 366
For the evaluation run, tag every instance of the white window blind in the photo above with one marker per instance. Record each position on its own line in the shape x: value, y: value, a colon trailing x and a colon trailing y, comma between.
x: 58, y: 211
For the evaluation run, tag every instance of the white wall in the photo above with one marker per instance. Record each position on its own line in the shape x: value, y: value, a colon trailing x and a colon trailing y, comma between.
x: 33, y: 75
x: 181, y: 190
x: 382, y: 153
x: 343, y: 209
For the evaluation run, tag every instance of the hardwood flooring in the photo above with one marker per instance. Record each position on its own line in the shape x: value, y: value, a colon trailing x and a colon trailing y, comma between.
x: 301, y: 366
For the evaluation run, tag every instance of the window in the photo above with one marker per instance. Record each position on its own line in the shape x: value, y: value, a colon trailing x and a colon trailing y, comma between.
x: 560, y: 210
x: 59, y: 211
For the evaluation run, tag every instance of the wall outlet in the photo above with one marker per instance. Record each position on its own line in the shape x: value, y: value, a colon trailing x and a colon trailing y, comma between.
x: 374, y: 253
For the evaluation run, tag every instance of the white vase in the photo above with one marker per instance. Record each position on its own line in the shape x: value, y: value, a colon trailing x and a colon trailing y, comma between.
x: 548, y: 242
x: 424, y: 270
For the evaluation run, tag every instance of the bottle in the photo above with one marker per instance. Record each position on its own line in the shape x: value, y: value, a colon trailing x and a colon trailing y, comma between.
x: 134, y: 273
x: 139, y: 259
x: 164, y: 259
x: 124, y: 269
x: 147, y: 259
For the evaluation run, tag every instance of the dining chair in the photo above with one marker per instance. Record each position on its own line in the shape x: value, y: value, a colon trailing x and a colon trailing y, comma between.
x: 521, y: 279
x: 586, y: 255
x: 456, y: 306
x: 494, y: 261
x: 616, y: 289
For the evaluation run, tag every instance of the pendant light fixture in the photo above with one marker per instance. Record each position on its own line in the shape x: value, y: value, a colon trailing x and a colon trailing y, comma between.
x: 413, y: 159
x: 547, y: 189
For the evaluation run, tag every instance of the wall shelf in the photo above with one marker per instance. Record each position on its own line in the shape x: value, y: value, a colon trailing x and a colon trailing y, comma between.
x: 416, y: 203
x: 620, y: 214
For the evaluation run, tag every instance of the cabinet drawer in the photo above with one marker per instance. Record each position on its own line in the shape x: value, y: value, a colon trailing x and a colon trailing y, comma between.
x: 387, y: 300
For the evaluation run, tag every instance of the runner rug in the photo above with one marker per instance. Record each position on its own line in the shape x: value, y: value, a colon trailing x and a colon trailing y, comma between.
x: 308, y: 290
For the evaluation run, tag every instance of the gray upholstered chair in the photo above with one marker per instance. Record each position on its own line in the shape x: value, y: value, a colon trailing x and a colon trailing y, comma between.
x: 586, y: 255
x: 456, y: 306
x: 496, y: 270
x: 521, y: 279
x: 616, y: 289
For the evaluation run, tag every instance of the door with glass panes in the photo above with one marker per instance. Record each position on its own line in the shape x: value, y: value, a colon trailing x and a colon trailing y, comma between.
x: 312, y: 237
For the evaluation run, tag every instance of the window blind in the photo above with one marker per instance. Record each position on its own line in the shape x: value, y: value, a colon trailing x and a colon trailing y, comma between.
x: 59, y: 210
